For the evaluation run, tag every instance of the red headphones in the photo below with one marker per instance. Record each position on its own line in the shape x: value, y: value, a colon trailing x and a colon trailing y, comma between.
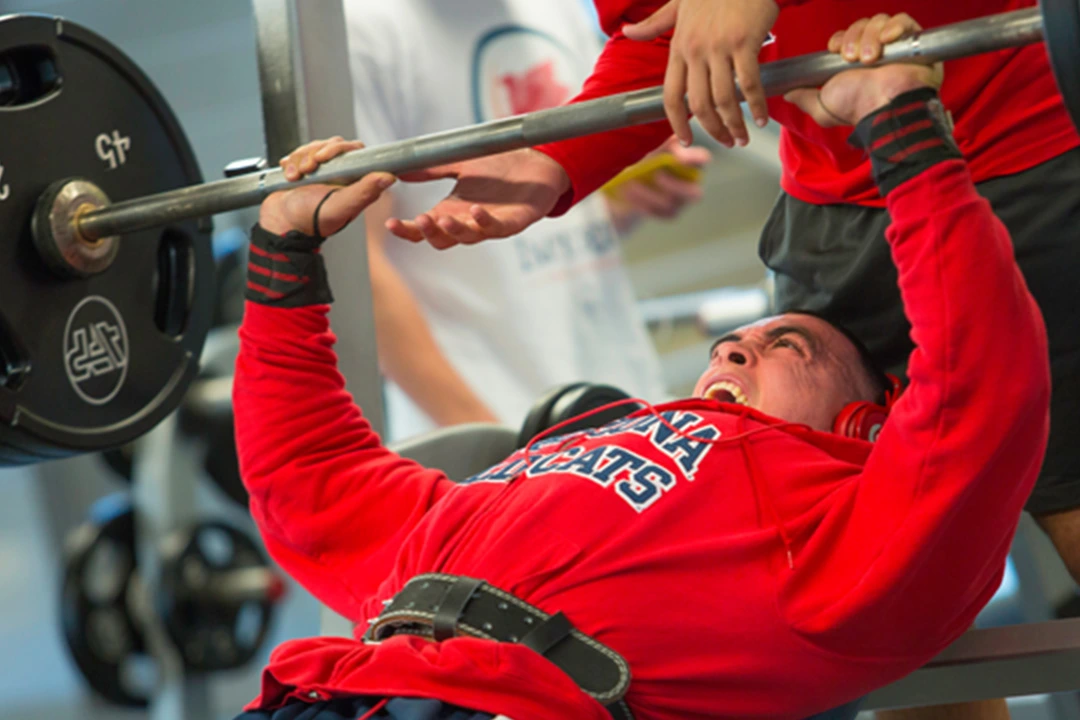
x: 863, y: 420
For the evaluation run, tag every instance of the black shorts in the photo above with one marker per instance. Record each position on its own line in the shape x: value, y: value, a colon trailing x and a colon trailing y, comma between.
x: 834, y: 259
x: 350, y: 708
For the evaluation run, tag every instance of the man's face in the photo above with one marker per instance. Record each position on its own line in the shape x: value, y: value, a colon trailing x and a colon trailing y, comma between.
x: 793, y: 367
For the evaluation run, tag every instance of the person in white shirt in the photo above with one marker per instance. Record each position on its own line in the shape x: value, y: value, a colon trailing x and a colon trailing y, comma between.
x: 479, y: 333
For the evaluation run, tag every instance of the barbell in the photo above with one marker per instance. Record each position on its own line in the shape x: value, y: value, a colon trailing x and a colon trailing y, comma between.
x: 995, y: 32
x: 100, y: 338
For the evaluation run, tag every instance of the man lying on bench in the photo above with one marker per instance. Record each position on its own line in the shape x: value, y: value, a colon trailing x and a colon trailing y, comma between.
x: 746, y: 553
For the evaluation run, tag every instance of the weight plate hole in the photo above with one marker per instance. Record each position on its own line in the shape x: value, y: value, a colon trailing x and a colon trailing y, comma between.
x: 139, y: 675
x: 248, y: 626
x: 216, y: 546
x: 107, y: 635
x: 27, y: 74
x: 175, y: 281
x: 105, y: 574
x: 14, y: 364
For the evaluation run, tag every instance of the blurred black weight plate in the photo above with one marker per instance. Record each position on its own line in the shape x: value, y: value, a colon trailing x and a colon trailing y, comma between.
x: 217, y: 596
x: 102, y: 635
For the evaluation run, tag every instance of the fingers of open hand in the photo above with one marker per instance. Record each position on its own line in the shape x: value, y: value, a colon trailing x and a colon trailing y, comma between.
x: 675, y: 98
x: 700, y: 94
x: 444, y: 231
x: 487, y: 222
x: 685, y: 191
x: 655, y: 25
x: 433, y: 233
x: 461, y: 230
x: 722, y: 80
x: 503, y: 221
x: 648, y: 200
x: 695, y: 155
x: 447, y: 230
x: 746, y: 69
x: 405, y: 229
x: 663, y: 196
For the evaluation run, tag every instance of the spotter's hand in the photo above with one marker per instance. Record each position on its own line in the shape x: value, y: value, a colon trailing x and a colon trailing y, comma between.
x: 494, y: 197
x: 715, y: 43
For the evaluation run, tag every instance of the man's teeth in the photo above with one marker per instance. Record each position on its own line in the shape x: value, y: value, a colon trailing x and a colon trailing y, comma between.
x: 726, y: 391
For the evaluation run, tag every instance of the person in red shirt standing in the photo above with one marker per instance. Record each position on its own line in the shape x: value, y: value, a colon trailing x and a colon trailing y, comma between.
x: 825, y: 238
x: 747, y: 552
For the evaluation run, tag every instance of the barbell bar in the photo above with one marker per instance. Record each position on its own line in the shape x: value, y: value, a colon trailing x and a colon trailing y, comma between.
x: 986, y: 34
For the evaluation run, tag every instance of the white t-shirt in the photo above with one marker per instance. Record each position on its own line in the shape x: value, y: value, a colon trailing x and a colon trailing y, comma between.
x: 516, y: 316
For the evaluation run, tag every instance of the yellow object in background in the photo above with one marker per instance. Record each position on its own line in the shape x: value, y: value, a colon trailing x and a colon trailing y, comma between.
x: 646, y: 170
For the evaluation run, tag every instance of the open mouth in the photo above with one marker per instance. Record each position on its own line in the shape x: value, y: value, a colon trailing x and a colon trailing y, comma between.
x: 726, y: 391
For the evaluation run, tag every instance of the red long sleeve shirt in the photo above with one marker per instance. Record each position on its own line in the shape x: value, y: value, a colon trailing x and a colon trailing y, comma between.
x: 1009, y: 115
x: 671, y: 550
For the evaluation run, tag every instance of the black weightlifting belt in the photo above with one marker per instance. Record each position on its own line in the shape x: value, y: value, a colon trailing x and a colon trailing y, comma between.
x: 440, y: 607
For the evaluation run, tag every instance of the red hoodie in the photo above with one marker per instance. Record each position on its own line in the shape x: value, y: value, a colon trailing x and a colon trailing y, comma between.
x: 1009, y: 115
x: 675, y: 551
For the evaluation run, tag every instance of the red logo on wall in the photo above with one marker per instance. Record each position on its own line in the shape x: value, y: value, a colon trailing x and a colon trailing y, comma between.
x: 538, y: 88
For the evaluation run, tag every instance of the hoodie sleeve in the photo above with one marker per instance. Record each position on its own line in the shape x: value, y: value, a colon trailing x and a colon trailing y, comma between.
x: 592, y: 160
x: 917, y: 545
x: 332, y: 503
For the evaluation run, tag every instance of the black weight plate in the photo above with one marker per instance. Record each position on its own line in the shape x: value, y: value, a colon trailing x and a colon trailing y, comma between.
x: 111, y: 355
x: 101, y: 634
x: 1061, y: 34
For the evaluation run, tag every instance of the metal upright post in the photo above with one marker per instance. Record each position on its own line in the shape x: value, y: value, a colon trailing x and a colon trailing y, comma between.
x: 303, y: 71
x: 163, y: 491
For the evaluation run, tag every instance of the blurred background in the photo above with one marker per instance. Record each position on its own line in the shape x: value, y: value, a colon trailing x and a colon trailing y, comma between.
x: 201, y: 54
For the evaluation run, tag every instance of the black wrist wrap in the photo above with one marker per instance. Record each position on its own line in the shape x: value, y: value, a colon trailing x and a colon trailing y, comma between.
x: 909, y: 135
x: 286, y: 271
